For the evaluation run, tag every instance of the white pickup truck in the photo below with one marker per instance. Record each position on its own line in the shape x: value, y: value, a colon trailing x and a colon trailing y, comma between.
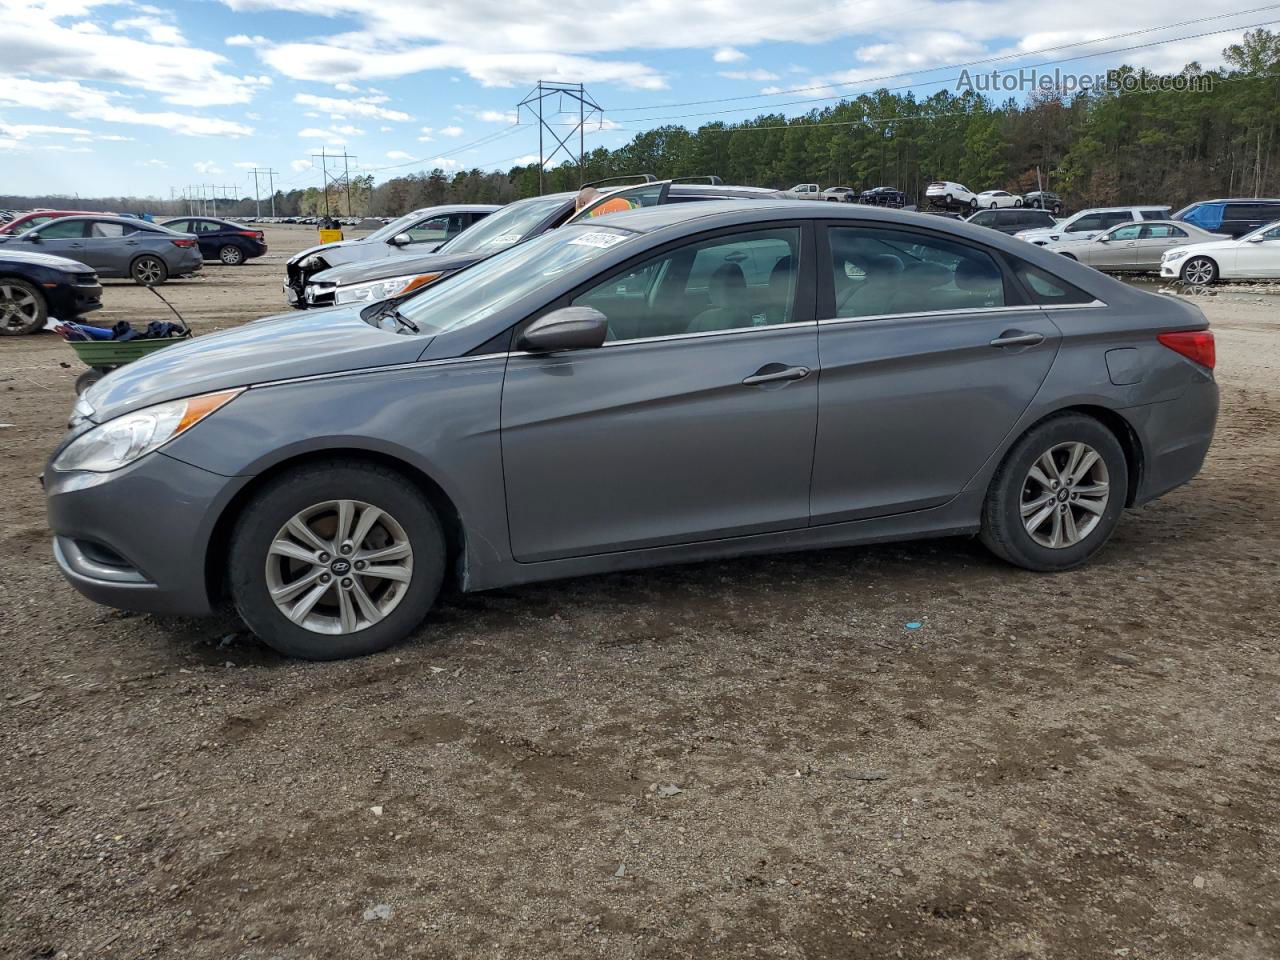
x: 811, y: 191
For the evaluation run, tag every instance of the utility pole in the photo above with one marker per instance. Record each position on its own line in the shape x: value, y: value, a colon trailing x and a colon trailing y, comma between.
x: 271, y: 181
x: 327, y: 181
x: 270, y: 174
x: 587, y: 107
x: 257, y: 201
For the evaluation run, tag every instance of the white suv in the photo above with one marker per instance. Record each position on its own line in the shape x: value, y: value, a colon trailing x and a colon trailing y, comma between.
x: 1087, y: 224
x: 945, y: 193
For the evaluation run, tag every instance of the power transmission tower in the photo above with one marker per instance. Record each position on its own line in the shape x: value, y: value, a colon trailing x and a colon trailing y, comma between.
x: 587, y: 108
x: 341, y: 181
x: 270, y: 174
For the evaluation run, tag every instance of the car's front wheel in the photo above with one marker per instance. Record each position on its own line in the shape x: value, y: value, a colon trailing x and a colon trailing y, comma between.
x: 336, y: 559
x: 149, y: 271
x: 1058, y: 495
x: 22, y: 307
x: 1200, y: 271
x: 1017, y: 201
x: 231, y: 255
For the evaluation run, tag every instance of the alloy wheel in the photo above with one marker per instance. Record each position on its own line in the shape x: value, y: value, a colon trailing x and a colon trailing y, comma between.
x: 1198, y: 271
x: 18, y: 308
x: 339, y: 566
x: 1064, y: 495
x: 231, y: 255
x: 148, y: 271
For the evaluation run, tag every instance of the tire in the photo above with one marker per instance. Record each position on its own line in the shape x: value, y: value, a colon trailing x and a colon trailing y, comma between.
x: 313, y: 492
x: 88, y: 379
x: 1017, y: 201
x: 1057, y: 209
x: 1015, y: 486
x: 1199, y: 272
x: 949, y: 201
x: 1072, y: 256
x: 23, y: 308
x: 973, y: 204
x: 148, y: 271
x: 231, y: 255
x: 993, y: 205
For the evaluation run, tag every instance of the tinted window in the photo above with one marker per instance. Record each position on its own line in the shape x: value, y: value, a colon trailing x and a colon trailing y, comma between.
x: 1252, y: 211
x: 61, y: 229
x: 435, y: 229
x: 1159, y: 214
x: 210, y: 226
x: 878, y: 272
x: 1162, y: 231
x: 1046, y: 289
x: 181, y: 226
x: 1091, y: 221
x: 1036, y: 218
x: 726, y: 283
x: 1120, y: 216
x: 105, y: 228
x: 985, y: 219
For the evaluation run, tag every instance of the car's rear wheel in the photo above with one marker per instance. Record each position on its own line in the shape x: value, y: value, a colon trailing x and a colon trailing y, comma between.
x: 1200, y: 271
x: 231, y: 255
x: 22, y: 308
x: 1058, y: 495
x: 149, y: 271
x: 950, y: 201
x: 973, y: 204
x: 1017, y: 201
x: 336, y: 559
x: 994, y: 204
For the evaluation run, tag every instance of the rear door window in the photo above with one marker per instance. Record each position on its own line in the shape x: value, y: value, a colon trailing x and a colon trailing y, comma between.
x: 107, y: 229
x: 880, y: 272
x: 1158, y: 214
x: 1162, y: 231
x: 1259, y: 212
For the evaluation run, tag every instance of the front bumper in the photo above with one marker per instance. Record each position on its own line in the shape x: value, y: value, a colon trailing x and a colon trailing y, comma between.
x: 69, y: 301
x: 1171, y: 269
x: 139, y: 538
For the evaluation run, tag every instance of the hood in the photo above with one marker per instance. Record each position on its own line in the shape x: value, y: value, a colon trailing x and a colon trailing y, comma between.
x: 398, y: 267
x: 1209, y: 246
x: 1055, y: 235
x: 324, y: 248
x: 294, y: 345
x: 45, y: 260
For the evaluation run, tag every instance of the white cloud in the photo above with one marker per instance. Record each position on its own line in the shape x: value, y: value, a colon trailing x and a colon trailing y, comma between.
x: 207, y: 166
x: 245, y: 164
x: 496, y: 116
x: 154, y: 29
x: 755, y: 76
x: 242, y: 40
x: 450, y: 131
x: 728, y: 55
x: 399, y: 155
x: 359, y: 107
x: 297, y: 166
x: 70, y: 98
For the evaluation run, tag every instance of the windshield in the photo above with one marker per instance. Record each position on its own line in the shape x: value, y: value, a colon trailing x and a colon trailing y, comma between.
x: 503, y: 228
x: 489, y: 286
x: 1270, y: 231
x: 395, y: 226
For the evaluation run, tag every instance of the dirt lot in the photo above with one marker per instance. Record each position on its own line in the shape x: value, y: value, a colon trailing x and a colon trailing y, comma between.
x: 742, y: 759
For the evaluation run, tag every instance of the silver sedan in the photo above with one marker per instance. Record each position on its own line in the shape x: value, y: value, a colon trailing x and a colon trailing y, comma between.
x: 1134, y: 247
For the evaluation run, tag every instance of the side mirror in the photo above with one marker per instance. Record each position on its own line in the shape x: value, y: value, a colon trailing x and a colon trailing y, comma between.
x: 569, y: 328
x: 1257, y: 239
x: 1102, y: 238
x: 33, y: 238
x: 401, y: 240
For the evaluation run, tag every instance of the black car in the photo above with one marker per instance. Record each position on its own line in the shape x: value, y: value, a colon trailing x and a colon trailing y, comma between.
x: 1043, y: 200
x: 37, y: 286
x: 884, y: 197
x: 232, y: 243
x: 1232, y: 217
x: 1011, y: 220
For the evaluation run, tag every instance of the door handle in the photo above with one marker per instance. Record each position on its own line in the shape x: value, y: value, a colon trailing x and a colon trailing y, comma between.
x: 766, y: 375
x: 1014, y: 338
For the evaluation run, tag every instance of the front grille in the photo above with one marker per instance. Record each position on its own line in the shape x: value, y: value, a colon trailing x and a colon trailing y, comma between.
x: 86, y: 279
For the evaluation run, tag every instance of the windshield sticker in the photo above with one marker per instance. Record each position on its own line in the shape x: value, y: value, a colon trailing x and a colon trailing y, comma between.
x: 599, y: 240
x: 505, y: 239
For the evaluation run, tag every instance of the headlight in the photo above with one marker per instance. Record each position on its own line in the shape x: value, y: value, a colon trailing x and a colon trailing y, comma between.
x: 1177, y: 253
x: 119, y: 442
x: 383, y: 289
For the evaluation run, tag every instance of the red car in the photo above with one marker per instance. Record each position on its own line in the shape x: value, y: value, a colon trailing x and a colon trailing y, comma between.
x: 29, y: 221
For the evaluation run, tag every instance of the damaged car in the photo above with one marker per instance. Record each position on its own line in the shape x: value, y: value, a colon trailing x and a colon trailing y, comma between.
x: 421, y: 231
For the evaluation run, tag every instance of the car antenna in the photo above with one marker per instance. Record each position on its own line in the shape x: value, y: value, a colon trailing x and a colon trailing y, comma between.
x: 181, y: 319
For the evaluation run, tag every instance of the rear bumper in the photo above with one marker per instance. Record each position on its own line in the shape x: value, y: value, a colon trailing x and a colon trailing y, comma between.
x: 138, y: 539
x: 1175, y: 437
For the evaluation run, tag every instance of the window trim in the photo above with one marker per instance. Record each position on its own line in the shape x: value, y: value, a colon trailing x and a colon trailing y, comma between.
x: 826, y: 282
x: 805, y: 300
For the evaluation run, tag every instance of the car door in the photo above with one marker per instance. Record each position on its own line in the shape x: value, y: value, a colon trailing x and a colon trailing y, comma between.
x: 1154, y: 240
x: 929, y: 356
x: 694, y: 421
x: 62, y: 237
x: 210, y: 236
x: 1260, y: 256
x: 1116, y: 249
x: 109, y: 247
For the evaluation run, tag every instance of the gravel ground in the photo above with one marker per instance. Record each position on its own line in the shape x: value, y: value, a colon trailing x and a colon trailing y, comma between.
x: 756, y: 758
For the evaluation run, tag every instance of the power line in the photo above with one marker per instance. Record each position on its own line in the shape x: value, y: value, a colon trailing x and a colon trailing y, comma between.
x: 971, y: 63
x: 930, y: 83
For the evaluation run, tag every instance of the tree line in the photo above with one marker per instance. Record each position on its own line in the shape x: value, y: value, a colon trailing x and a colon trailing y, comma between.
x: 1107, y: 145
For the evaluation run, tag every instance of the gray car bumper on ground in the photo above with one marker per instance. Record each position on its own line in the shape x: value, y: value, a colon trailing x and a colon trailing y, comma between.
x: 137, y: 538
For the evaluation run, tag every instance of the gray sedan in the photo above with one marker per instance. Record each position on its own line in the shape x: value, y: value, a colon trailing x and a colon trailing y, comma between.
x: 1134, y: 247
x: 670, y: 384
x: 115, y: 247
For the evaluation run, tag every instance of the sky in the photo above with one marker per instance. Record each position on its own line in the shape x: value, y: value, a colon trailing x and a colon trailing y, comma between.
x: 103, y: 98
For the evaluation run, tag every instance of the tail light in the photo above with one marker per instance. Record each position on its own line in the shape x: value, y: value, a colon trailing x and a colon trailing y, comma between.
x: 252, y: 234
x: 1195, y: 345
x: 183, y: 243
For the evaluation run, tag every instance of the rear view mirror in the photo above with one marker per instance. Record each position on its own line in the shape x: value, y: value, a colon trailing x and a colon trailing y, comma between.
x: 569, y: 328
x: 401, y: 240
